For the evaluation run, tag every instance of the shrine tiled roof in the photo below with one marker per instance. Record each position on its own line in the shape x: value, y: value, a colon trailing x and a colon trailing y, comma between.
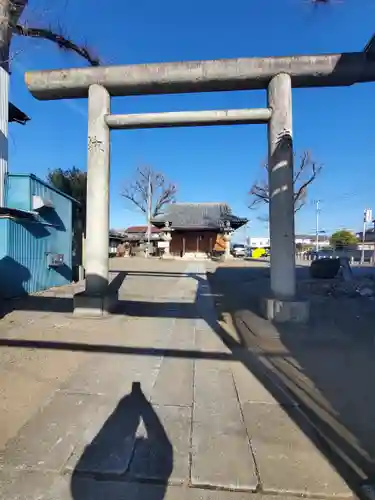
x: 198, y: 216
x: 141, y: 229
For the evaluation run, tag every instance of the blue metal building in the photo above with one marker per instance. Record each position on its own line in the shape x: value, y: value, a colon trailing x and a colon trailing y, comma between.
x: 35, y: 236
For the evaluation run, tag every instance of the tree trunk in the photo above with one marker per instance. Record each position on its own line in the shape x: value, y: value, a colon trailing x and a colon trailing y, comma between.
x: 10, y: 12
x: 77, y: 242
x: 78, y: 234
x: 4, y: 34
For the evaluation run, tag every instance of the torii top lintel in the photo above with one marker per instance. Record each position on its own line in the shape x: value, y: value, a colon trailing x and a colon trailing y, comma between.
x: 204, y: 76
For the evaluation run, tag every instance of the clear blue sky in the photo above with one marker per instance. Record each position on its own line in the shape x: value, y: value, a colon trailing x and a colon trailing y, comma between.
x: 213, y: 163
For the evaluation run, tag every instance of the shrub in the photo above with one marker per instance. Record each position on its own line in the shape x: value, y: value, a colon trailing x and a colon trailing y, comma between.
x: 325, y: 268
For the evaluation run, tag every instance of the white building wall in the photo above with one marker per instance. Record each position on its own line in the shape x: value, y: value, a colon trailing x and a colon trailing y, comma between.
x: 263, y: 242
x: 259, y: 242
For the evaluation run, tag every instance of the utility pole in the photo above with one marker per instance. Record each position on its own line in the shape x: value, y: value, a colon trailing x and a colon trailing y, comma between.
x: 4, y: 92
x: 10, y: 11
x: 317, y: 212
x: 367, y: 217
x: 149, y: 208
x: 246, y: 227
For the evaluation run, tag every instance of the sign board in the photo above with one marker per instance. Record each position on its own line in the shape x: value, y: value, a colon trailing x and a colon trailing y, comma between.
x: 163, y: 244
x: 367, y: 215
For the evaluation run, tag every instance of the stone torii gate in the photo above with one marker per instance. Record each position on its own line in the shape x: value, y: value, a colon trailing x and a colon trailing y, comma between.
x: 276, y: 74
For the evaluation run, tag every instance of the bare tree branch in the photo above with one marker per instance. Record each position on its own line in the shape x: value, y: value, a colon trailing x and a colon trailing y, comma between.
x: 56, y: 36
x: 304, y: 175
x: 300, y: 194
x: 317, y: 2
x: 167, y: 195
x: 162, y: 192
x: 61, y: 41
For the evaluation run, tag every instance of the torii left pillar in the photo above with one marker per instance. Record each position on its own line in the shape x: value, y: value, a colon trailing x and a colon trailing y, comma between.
x: 97, y: 299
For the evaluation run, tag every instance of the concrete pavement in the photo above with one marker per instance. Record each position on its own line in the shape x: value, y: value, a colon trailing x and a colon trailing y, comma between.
x: 326, y: 366
x: 154, y: 402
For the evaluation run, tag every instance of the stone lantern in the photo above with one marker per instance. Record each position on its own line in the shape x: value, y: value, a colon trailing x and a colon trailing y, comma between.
x: 166, y: 235
x: 227, y: 236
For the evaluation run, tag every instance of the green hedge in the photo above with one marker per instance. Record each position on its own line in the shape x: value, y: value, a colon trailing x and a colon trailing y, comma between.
x: 325, y: 268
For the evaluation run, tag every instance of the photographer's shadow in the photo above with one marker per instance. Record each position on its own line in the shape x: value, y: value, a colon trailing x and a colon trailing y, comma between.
x: 131, y: 448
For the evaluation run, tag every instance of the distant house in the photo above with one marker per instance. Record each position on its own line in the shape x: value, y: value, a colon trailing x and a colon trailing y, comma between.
x: 369, y: 244
x: 138, y: 234
x: 305, y: 240
x: 137, y: 237
x: 197, y: 227
x: 115, y: 239
x: 369, y: 236
x: 310, y: 240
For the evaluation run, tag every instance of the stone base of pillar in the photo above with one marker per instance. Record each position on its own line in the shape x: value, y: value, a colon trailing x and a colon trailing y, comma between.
x: 283, y: 311
x: 94, y: 306
x: 167, y: 256
x: 194, y: 256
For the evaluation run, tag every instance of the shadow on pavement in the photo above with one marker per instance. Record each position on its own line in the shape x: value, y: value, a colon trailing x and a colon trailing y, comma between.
x: 326, y: 367
x: 114, y: 349
x: 61, y: 302
x: 132, y: 444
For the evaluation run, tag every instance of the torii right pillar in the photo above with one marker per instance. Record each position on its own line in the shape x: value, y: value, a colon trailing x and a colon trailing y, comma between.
x: 282, y: 305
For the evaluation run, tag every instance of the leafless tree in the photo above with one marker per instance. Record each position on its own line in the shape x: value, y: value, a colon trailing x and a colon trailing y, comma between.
x: 10, y: 13
x: 148, y: 181
x: 304, y: 175
x: 319, y: 3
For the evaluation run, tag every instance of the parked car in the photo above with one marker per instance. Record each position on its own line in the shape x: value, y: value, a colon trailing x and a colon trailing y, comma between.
x: 238, y: 250
x: 322, y: 254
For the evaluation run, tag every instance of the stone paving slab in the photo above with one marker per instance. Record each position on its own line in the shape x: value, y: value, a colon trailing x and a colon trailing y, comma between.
x: 163, y: 446
x: 174, y: 384
x: 112, y: 375
x: 90, y: 490
x: 221, y: 454
x: 183, y: 334
x: 48, y: 439
x: 85, y: 433
x: 57, y: 365
x: 250, y: 390
x: 46, y: 486
x: 115, y: 329
x: 31, y: 485
x: 208, y: 340
x: 143, y: 442
x: 286, y: 458
x: 20, y: 397
x: 107, y: 446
